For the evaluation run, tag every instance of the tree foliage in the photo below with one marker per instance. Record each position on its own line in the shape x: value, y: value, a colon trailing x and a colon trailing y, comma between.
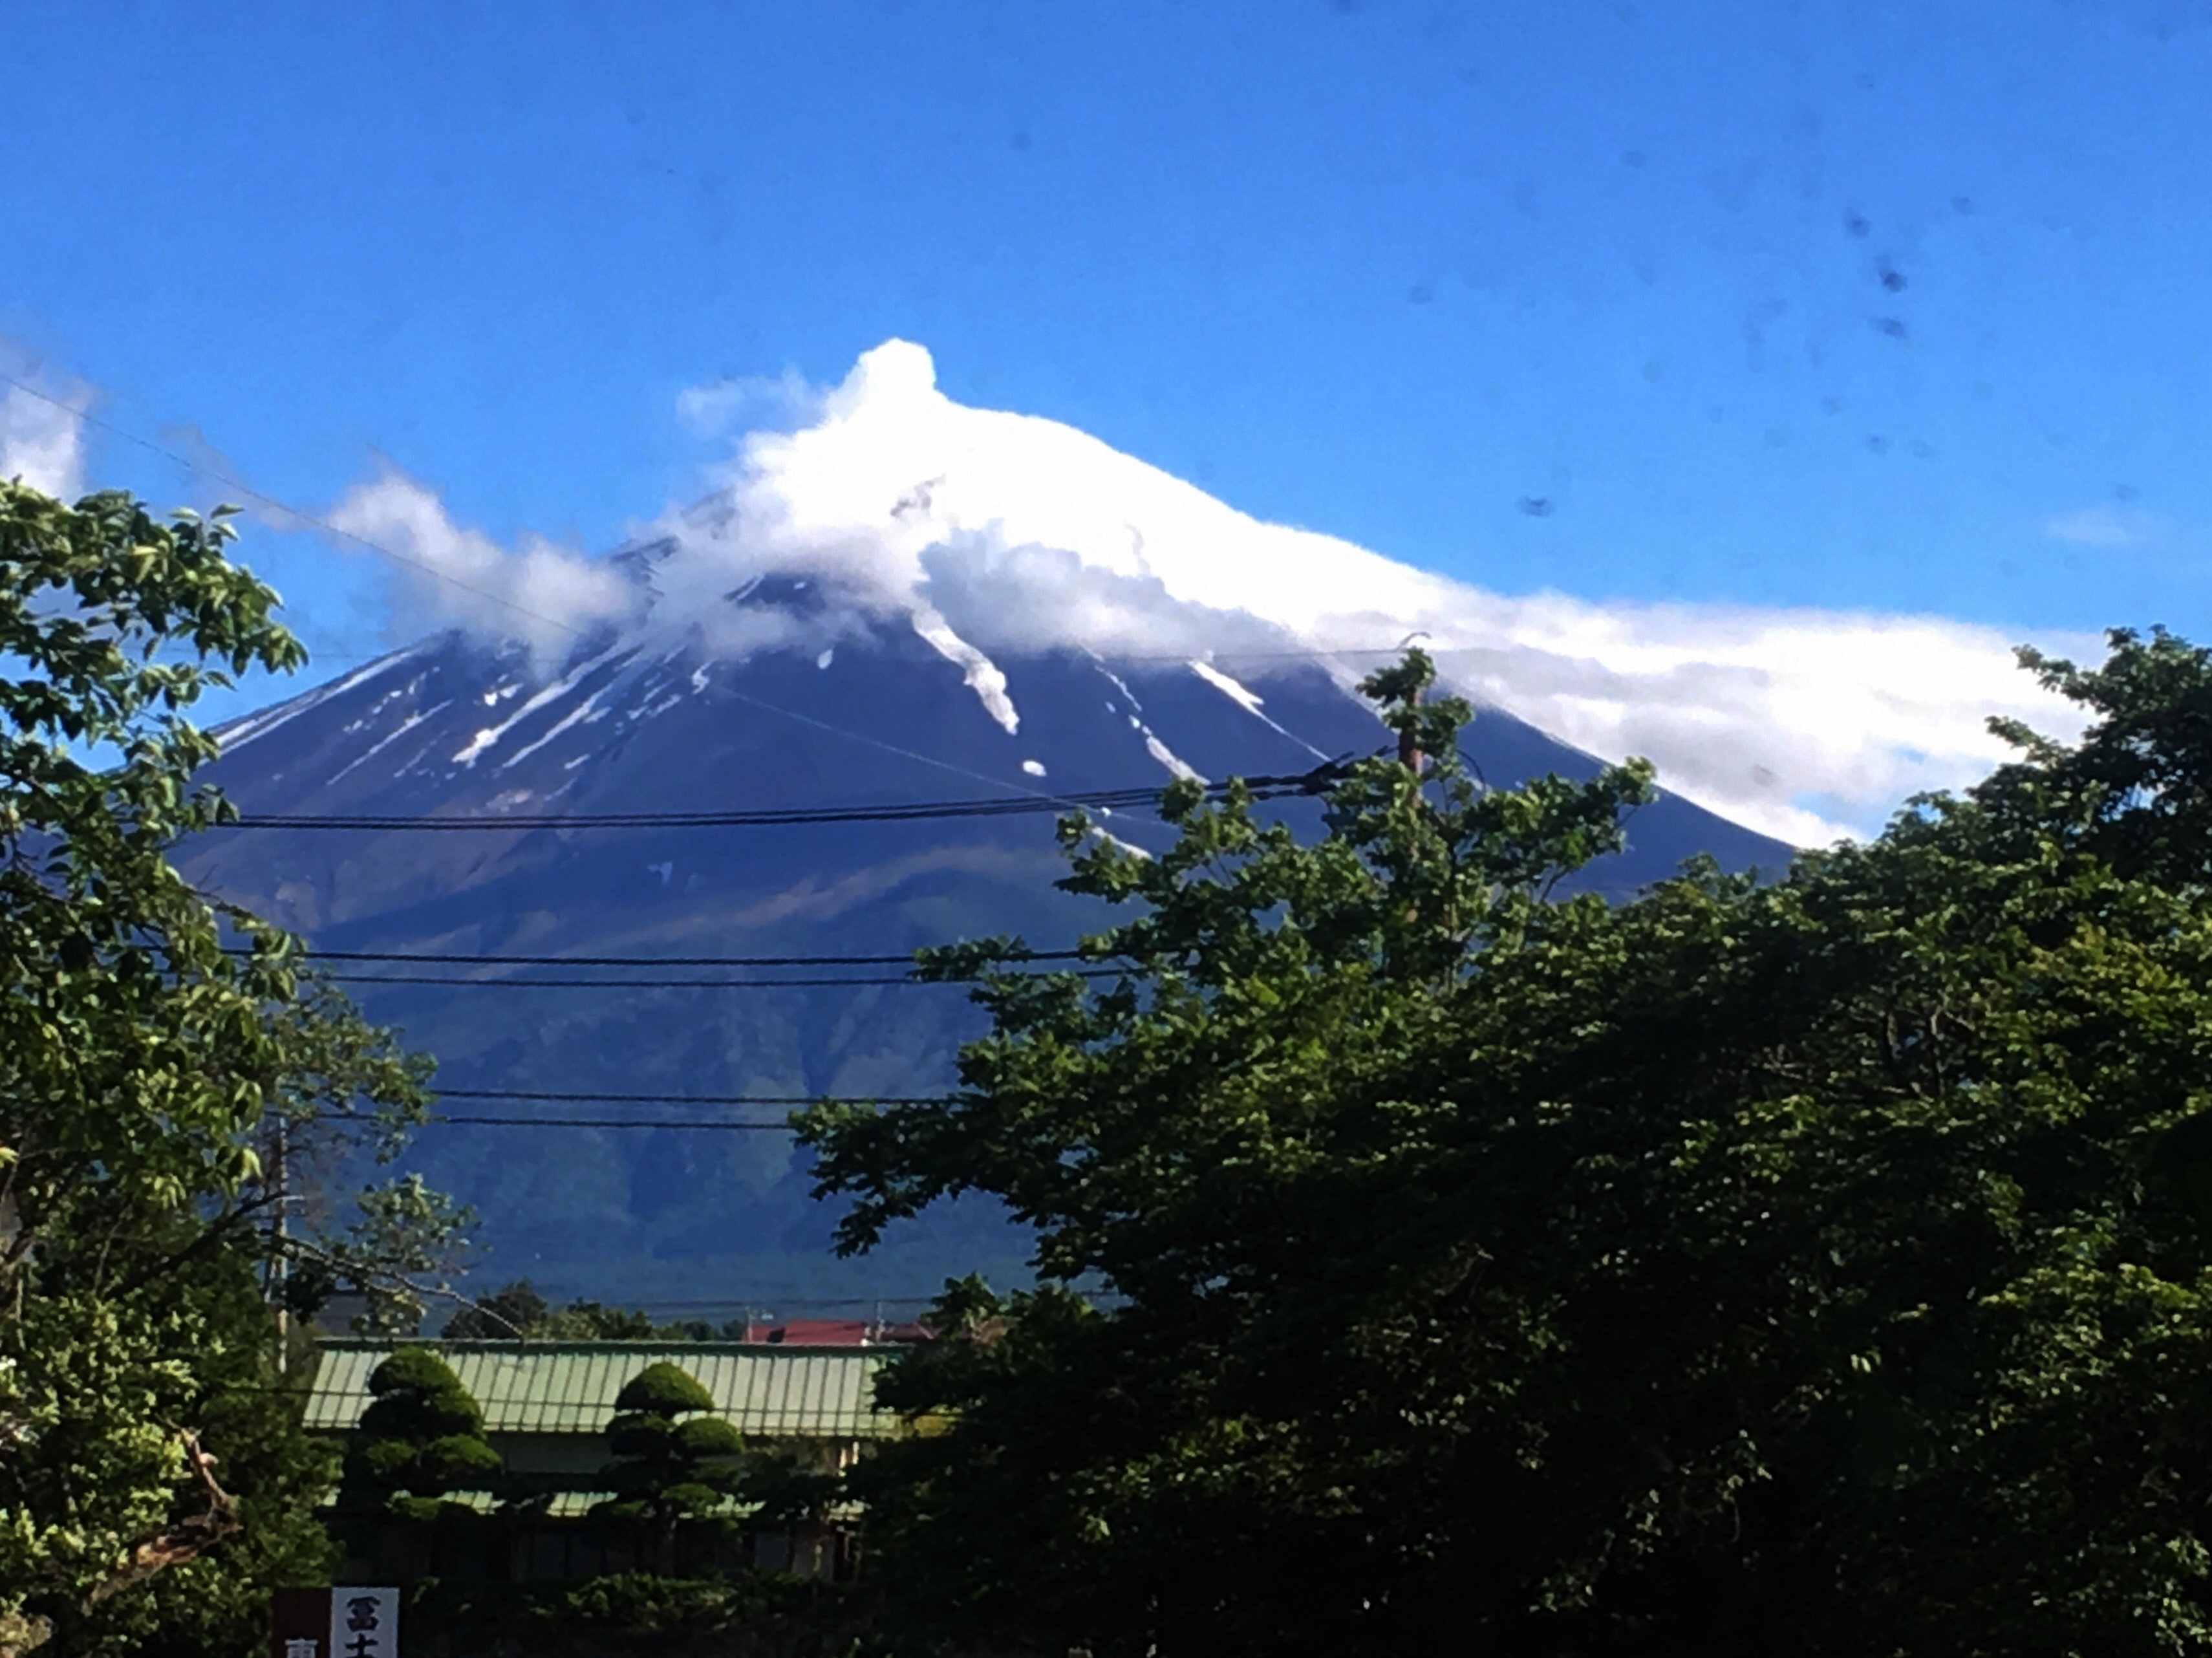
x: 672, y: 1464
x: 421, y: 1439
x: 1819, y: 1266
x: 160, y: 1056
x: 516, y: 1312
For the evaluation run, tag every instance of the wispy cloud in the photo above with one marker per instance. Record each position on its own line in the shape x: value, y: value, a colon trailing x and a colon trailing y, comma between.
x: 214, y: 479
x: 749, y: 402
x: 446, y: 574
x: 2107, y: 526
x: 41, y: 429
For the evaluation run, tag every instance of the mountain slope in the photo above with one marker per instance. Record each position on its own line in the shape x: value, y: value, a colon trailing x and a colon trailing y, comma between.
x: 668, y: 1216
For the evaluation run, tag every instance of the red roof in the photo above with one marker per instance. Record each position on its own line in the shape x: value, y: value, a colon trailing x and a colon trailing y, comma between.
x: 833, y: 1333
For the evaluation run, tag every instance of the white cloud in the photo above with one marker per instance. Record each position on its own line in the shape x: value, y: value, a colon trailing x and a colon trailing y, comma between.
x: 991, y: 531
x: 2105, y: 526
x: 42, y: 437
x: 746, y: 403
x: 546, y: 595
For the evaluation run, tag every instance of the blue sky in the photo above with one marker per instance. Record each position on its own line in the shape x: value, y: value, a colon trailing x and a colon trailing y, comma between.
x: 1850, y: 306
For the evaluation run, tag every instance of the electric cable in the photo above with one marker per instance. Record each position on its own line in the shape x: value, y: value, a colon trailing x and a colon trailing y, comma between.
x: 693, y: 1099
x: 610, y: 1122
x: 1105, y: 800
x: 457, y: 982
x: 436, y: 958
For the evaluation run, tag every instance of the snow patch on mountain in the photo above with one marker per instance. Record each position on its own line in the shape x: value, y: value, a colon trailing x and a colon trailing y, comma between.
x: 393, y: 736
x: 587, y: 712
x: 981, y: 674
x: 1250, y: 701
x: 237, y: 733
x: 1168, y: 758
x: 485, y: 739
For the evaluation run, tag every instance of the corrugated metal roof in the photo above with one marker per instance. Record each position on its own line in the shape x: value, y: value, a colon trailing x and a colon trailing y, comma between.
x: 569, y: 1387
x: 577, y: 1505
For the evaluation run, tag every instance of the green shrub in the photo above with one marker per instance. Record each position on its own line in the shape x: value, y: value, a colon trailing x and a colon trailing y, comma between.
x: 415, y: 1369
x: 665, y: 1473
x: 645, y: 1599
x: 456, y: 1616
x: 421, y: 1438
x: 665, y: 1390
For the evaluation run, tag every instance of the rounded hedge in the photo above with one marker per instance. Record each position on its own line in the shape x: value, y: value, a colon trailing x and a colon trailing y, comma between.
x: 665, y: 1471
x: 640, y: 1434
x: 691, y: 1498
x: 444, y: 1464
x: 664, y: 1389
x: 415, y: 1369
x: 421, y: 1437
x: 422, y: 1416
x: 380, y: 1460
x: 708, y: 1436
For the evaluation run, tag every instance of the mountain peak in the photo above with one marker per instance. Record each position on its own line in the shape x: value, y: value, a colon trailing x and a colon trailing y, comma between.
x: 995, y: 534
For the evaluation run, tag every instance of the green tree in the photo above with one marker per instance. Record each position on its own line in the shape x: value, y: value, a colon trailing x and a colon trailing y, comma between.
x: 517, y: 1312
x: 1817, y: 1265
x: 586, y: 1321
x: 509, y: 1313
x: 668, y: 1472
x: 273, y: 1469
x: 421, y: 1439
x: 156, y: 1050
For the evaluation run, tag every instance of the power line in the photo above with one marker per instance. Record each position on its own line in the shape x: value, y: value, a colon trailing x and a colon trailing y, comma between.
x: 1000, y: 807
x: 693, y: 1099
x: 439, y: 958
x: 742, y: 1303
x: 1106, y: 800
x: 458, y: 982
x: 614, y: 1123
x: 720, y: 1124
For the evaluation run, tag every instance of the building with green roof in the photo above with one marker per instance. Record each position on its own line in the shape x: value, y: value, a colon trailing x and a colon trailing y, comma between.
x: 546, y: 1405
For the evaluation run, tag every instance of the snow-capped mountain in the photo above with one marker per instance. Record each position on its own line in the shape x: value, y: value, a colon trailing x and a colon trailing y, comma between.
x: 885, y: 715
x: 898, y: 599
x: 989, y: 534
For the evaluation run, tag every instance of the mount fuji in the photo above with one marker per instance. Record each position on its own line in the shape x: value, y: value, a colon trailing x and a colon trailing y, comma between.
x: 449, y: 727
x: 847, y: 622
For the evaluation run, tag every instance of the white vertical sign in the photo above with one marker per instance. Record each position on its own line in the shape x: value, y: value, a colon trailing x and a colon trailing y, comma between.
x: 364, y: 1622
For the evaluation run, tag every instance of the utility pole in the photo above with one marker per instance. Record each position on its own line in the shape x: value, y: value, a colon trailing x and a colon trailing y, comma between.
x: 278, y: 1266
x: 1409, y: 754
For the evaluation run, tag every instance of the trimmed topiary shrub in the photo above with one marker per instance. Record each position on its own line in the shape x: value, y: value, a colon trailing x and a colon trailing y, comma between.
x: 421, y: 1438
x: 664, y: 1389
x: 668, y: 1472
